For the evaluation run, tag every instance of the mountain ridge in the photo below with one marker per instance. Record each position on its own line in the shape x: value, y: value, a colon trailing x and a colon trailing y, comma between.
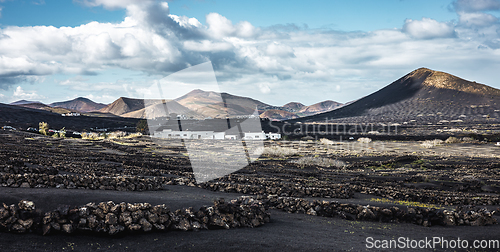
x: 420, y: 95
x: 81, y: 104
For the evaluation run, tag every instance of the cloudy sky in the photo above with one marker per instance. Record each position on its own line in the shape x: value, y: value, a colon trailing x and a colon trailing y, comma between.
x: 273, y: 51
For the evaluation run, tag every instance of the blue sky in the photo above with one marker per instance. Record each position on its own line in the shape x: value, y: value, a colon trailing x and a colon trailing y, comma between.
x: 273, y: 51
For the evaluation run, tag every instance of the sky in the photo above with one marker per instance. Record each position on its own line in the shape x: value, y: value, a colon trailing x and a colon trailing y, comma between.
x: 273, y: 51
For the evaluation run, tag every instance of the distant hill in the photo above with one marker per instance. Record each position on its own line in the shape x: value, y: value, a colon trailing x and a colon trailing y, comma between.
x: 278, y: 114
x: 48, y: 108
x: 294, y: 106
x: 211, y: 104
x: 125, y: 105
x: 201, y: 104
x: 161, y: 110
x: 319, y: 107
x: 22, y: 117
x: 421, y: 96
x: 23, y: 102
x: 79, y: 104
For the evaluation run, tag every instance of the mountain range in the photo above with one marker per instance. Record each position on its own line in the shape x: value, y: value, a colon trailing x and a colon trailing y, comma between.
x: 197, y: 104
x: 422, y: 95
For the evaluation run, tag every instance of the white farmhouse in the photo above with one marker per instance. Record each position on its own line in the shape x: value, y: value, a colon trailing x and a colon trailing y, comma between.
x: 230, y: 137
x: 273, y: 136
x: 168, y: 133
x: 254, y: 136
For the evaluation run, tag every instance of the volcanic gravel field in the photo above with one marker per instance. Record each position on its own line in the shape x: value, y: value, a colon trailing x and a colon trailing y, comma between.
x: 382, y: 189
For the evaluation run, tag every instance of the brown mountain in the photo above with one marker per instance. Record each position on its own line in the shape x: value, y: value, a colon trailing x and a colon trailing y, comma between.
x: 215, y: 105
x: 161, y: 109
x: 125, y: 105
x: 423, y: 95
x: 294, y: 106
x: 79, y: 104
x: 23, y: 102
x: 278, y: 114
x: 319, y: 107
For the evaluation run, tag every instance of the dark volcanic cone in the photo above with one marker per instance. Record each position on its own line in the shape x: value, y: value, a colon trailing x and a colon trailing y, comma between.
x: 423, y: 95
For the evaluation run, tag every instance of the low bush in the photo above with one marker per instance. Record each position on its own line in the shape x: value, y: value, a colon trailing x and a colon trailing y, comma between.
x: 431, y: 143
x: 43, y: 128
x: 364, y: 140
x: 452, y: 140
x: 276, y: 151
x: 326, y: 141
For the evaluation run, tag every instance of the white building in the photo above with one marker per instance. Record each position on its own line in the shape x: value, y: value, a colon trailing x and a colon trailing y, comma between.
x: 168, y: 133
x: 71, y: 114
x: 254, y: 136
x: 230, y: 137
x: 273, y: 136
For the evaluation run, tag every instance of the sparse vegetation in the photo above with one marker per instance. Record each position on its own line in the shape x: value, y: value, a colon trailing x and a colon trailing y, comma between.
x: 111, y: 135
x: 320, y: 161
x: 43, y: 128
x: 452, y: 140
x: 431, y: 143
x: 276, y: 151
x: 90, y: 136
x: 133, y: 135
x: 62, y: 132
x: 469, y: 140
x: 117, y: 134
x: 406, y: 203
x: 326, y: 141
x: 364, y: 140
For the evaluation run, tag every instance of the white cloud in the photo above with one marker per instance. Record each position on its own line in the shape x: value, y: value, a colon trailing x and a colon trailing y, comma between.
x: 20, y: 94
x: 112, y: 4
x: 219, y: 26
x: 264, y: 88
x: 38, y: 2
x: 428, y: 28
x: 101, y: 98
x: 476, y: 18
x: 256, y: 61
x: 476, y: 5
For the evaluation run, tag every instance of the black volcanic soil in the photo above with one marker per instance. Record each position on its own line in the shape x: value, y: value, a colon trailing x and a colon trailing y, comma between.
x: 21, y: 117
x: 422, y: 178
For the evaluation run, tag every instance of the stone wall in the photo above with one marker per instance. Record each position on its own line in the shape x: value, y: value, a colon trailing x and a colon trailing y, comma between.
x: 464, y: 215
x: 113, y: 218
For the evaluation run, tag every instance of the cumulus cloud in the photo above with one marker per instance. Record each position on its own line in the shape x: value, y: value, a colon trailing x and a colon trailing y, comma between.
x: 21, y: 94
x: 100, y: 98
x: 269, y: 60
x: 112, y: 4
x: 476, y: 19
x: 428, y: 28
x: 476, y: 5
